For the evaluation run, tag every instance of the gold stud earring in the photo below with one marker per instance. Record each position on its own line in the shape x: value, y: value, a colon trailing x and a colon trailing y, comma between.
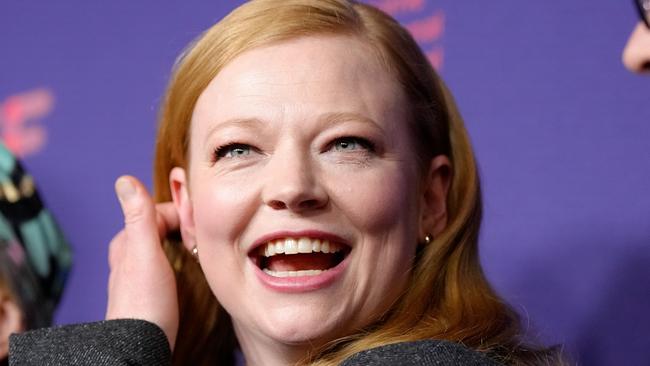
x: 195, y: 253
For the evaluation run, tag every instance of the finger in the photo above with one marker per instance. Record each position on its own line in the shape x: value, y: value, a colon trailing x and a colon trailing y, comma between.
x: 167, y: 218
x: 116, y: 249
x: 140, y: 223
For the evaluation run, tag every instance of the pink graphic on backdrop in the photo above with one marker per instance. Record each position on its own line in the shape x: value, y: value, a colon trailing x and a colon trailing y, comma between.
x: 428, y: 29
x: 395, y: 7
x: 19, y: 117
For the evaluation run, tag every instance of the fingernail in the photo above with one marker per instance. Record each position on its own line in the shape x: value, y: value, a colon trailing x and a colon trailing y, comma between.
x: 124, y: 188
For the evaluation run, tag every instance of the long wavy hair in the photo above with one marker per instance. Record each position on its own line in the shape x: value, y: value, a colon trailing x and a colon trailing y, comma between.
x: 447, y: 296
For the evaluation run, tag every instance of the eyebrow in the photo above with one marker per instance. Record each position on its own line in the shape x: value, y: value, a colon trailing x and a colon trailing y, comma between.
x: 250, y: 123
x: 328, y: 119
x: 339, y: 117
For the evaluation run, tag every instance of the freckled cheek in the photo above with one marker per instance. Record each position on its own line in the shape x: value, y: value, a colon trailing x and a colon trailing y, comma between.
x: 221, y: 212
x: 375, y: 201
x: 381, y: 208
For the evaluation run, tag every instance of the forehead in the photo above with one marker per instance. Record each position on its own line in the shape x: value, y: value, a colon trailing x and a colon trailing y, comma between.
x: 302, y: 77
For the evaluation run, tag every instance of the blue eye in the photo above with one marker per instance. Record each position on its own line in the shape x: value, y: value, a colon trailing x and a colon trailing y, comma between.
x: 232, y: 151
x: 352, y: 144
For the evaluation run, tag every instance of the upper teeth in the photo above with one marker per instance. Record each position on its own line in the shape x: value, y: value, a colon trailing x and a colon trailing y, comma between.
x: 300, y: 245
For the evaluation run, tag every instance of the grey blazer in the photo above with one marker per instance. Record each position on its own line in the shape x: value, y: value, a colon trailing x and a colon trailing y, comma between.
x: 137, y: 342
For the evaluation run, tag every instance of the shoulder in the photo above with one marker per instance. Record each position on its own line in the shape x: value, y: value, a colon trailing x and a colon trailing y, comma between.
x: 424, y: 352
x: 111, y: 342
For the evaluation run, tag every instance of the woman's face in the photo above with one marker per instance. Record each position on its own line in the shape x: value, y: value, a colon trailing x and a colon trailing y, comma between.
x: 297, y: 147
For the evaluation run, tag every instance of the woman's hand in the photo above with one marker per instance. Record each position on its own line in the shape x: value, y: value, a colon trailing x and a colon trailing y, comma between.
x: 142, y: 283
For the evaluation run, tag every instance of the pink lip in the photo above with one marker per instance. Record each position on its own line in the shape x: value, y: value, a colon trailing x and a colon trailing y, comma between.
x: 303, y: 283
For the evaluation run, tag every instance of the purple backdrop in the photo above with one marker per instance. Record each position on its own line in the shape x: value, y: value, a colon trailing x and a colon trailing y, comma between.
x: 561, y: 131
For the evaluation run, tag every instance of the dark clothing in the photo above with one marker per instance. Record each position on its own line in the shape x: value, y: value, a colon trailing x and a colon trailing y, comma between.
x: 424, y: 353
x: 113, y: 342
x: 137, y: 342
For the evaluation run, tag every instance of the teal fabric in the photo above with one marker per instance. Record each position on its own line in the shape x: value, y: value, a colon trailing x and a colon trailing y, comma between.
x: 7, y: 161
x: 35, y: 258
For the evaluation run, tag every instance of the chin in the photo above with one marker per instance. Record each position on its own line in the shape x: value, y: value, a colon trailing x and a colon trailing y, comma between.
x: 301, y: 323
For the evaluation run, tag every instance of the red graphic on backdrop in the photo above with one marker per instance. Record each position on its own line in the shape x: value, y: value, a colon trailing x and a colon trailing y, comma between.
x: 20, y: 115
x: 428, y: 29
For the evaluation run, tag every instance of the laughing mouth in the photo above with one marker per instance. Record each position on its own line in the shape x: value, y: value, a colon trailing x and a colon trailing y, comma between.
x: 298, y: 257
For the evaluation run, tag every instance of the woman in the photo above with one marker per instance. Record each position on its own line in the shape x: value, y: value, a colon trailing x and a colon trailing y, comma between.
x: 34, y: 256
x: 327, y: 199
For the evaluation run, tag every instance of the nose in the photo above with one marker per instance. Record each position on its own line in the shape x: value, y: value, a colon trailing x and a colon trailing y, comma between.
x: 291, y: 183
x: 636, y: 55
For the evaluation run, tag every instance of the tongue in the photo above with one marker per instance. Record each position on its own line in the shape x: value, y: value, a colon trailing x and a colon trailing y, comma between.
x: 301, y: 262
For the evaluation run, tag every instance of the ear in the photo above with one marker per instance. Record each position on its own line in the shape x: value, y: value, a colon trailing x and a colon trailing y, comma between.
x: 178, y: 184
x: 11, y: 321
x: 433, y: 212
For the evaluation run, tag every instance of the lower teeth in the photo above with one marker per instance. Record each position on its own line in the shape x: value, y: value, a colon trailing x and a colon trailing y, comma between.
x: 311, y: 272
